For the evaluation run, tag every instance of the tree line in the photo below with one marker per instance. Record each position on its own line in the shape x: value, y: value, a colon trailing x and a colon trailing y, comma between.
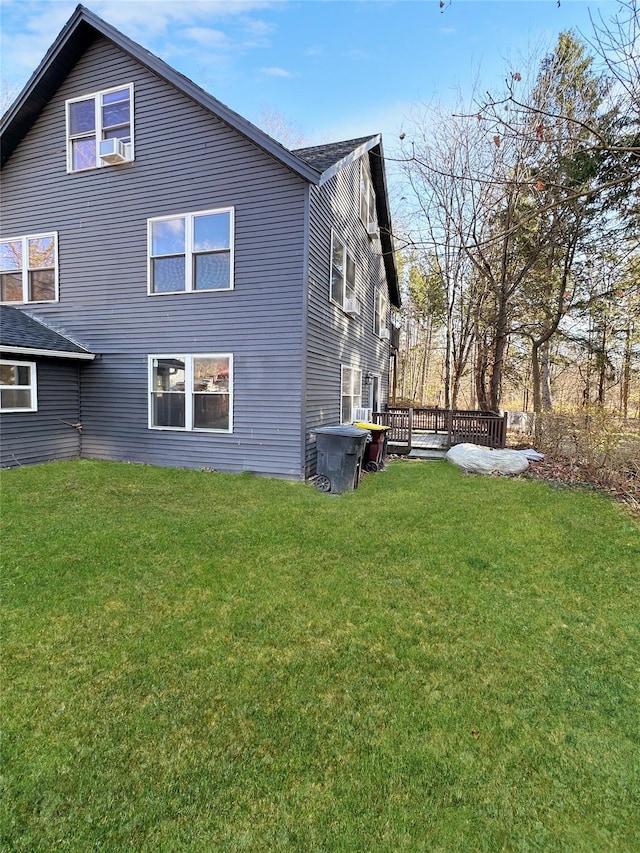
x: 520, y: 236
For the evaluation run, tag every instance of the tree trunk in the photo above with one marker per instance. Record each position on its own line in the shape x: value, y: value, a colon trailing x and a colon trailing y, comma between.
x: 545, y: 376
x: 499, y: 352
x: 482, y: 368
x: 447, y: 365
x: 535, y: 377
x: 603, y: 367
x: 626, y: 374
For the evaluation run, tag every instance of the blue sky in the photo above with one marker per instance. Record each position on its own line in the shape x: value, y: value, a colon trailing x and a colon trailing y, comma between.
x: 335, y: 69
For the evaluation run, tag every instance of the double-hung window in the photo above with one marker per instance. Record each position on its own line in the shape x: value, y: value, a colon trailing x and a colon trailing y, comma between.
x: 351, y: 392
x: 192, y: 251
x: 367, y: 201
x: 380, y: 313
x: 343, y: 276
x: 29, y: 268
x: 18, y: 386
x: 100, y: 129
x: 191, y: 392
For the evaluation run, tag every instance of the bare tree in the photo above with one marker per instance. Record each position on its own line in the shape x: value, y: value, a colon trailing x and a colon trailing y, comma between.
x: 442, y: 210
x: 286, y: 131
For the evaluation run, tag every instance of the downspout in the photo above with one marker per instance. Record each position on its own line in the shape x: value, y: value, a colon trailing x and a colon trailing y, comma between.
x: 79, y: 411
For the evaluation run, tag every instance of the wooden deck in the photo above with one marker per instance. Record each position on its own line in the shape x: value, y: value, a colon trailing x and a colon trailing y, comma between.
x: 439, y: 429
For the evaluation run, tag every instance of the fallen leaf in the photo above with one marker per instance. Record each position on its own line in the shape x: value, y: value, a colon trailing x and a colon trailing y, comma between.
x: 475, y: 733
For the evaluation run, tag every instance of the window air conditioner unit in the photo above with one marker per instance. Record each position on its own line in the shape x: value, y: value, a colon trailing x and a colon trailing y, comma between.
x: 372, y: 229
x: 352, y: 307
x: 385, y: 334
x: 362, y: 415
x: 114, y: 151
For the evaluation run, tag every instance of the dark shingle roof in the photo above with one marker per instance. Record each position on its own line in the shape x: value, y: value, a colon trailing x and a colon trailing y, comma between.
x: 322, y: 157
x: 20, y: 332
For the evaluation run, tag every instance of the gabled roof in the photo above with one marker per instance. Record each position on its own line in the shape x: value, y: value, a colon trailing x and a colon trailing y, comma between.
x: 82, y: 28
x: 21, y: 334
x: 323, y: 157
x: 316, y: 165
x: 329, y: 159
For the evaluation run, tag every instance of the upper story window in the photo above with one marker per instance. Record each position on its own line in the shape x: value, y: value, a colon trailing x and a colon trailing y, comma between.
x: 367, y: 201
x: 343, y: 277
x: 29, y: 268
x: 193, y: 251
x: 191, y: 392
x: 100, y: 129
x: 380, y: 314
x: 18, y: 386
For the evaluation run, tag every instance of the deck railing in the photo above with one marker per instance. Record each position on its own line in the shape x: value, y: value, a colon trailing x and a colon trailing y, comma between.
x: 399, y: 422
x: 460, y: 425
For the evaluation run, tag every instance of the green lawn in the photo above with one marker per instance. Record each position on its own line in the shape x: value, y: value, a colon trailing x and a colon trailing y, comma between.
x: 200, y: 662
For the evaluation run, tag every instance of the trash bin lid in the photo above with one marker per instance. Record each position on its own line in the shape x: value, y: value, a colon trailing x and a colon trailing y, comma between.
x: 341, y: 429
x: 374, y: 427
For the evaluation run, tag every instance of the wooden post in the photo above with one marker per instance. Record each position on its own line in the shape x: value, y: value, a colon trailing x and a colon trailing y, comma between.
x: 449, y: 426
x: 409, y: 427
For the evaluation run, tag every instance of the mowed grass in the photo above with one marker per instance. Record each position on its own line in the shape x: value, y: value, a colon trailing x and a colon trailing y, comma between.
x: 200, y: 662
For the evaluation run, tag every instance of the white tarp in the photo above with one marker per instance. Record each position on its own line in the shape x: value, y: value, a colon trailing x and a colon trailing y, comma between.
x: 483, y: 460
x: 532, y: 455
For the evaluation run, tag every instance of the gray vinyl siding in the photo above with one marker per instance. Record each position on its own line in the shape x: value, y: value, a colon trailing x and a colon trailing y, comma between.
x: 333, y: 338
x: 48, y: 433
x: 186, y: 160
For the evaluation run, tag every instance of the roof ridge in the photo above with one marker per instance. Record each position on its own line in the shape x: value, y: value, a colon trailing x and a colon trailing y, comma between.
x: 61, y: 57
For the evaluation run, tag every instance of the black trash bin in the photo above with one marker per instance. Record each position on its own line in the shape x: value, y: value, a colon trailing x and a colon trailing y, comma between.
x: 340, y: 454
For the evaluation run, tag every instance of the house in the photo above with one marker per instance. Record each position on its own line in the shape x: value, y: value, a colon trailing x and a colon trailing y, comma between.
x: 177, y: 287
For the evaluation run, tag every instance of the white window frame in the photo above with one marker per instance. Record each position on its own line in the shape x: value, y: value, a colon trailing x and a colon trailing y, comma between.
x: 367, y: 198
x: 189, y: 253
x: 24, y: 239
x: 189, y: 391
x: 380, y: 311
x: 32, y: 386
x: 348, y: 292
x: 97, y: 99
x: 356, y: 398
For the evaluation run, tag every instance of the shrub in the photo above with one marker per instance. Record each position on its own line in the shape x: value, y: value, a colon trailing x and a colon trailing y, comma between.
x: 603, y: 448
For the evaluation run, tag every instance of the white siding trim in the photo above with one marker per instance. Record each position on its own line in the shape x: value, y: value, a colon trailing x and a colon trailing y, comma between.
x: 189, y: 253
x: 49, y: 353
x: 188, y: 360
x: 33, y: 385
x: 25, y: 268
x: 98, y: 122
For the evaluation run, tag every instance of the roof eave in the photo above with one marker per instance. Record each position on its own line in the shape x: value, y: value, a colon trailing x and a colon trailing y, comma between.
x: 384, y: 221
x: 350, y: 158
x: 7, y: 349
